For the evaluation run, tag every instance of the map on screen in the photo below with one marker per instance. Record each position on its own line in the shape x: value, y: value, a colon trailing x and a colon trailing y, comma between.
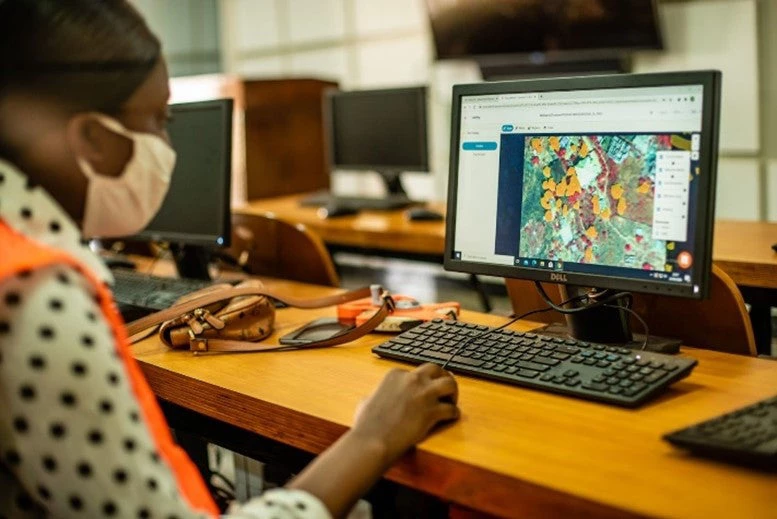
x: 592, y: 198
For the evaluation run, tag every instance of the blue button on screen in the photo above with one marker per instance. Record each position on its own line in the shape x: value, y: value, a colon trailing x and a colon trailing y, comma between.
x: 479, y: 146
x: 507, y: 128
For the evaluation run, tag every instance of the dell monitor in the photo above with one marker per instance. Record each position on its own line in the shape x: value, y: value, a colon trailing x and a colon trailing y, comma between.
x: 195, y: 215
x: 605, y: 182
x: 379, y: 130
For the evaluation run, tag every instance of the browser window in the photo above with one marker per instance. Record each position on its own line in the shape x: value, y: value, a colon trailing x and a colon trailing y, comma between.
x: 596, y: 181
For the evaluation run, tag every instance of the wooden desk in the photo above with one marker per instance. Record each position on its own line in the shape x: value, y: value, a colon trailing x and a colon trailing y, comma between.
x: 742, y: 249
x: 515, y: 452
x: 372, y: 230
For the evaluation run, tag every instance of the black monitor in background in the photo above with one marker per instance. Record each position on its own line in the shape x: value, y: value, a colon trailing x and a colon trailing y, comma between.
x: 605, y: 182
x: 378, y: 130
x: 195, y: 215
x: 527, y: 37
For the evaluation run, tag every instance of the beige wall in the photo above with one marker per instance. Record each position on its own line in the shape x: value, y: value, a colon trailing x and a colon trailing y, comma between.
x: 189, y: 30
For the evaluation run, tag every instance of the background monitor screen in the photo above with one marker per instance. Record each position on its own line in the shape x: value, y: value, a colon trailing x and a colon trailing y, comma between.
x: 379, y: 129
x: 465, y: 28
x: 605, y: 182
x: 197, y: 207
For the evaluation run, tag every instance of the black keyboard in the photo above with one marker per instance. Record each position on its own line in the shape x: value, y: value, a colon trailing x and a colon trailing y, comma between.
x: 585, y: 370
x: 746, y: 436
x: 358, y: 203
x: 151, y: 292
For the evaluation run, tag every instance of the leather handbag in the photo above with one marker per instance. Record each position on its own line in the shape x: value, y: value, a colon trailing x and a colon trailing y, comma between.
x: 223, y: 318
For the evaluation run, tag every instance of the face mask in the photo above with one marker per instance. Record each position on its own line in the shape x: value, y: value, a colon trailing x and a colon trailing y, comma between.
x: 124, y: 205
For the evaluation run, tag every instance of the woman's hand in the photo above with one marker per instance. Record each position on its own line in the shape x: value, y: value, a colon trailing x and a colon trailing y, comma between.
x: 400, y: 413
x: 405, y: 407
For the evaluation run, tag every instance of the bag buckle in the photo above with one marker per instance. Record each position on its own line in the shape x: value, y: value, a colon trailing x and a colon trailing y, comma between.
x: 197, y: 344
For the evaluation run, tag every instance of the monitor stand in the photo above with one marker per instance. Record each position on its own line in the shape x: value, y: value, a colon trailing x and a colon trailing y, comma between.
x: 606, y: 324
x: 191, y: 261
x: 393, y: 182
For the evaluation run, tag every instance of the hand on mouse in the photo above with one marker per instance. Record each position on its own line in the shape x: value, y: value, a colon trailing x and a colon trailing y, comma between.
x: 401, y: 412
x: 406, y: 406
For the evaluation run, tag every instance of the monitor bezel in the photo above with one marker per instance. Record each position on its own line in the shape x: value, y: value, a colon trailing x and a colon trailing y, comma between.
x: 224, y: 239
x: 421, y: 95
x: 710, y: 81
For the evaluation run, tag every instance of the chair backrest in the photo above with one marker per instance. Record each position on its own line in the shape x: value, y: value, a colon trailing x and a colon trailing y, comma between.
x: 719, y: 323
x: 267, y: 246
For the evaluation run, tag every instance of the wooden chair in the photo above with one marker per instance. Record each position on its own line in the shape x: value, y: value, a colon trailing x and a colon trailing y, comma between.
x: 266, y: 246
x: 719, y: 323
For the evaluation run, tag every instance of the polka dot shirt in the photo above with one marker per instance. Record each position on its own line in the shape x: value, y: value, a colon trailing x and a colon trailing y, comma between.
x: 72, y: 440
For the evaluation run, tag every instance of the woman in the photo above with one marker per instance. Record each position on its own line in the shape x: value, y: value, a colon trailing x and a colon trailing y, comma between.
x: 84, y: 152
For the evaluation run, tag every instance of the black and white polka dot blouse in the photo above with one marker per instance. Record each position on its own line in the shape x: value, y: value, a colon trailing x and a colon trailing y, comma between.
x: 72, y: 440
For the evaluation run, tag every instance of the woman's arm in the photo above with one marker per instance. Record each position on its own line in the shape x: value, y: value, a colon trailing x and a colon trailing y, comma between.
x: 401, y: 413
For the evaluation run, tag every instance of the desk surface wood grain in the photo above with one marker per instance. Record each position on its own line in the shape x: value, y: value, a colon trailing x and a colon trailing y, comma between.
x: 515, y: 452
x: 744, y: 251
x: 384, y: 230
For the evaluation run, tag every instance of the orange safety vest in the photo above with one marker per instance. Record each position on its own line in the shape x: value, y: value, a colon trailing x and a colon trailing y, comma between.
x: 30, y: 255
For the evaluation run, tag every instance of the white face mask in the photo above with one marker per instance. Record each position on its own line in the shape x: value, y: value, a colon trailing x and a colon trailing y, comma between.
x: 124, y: 205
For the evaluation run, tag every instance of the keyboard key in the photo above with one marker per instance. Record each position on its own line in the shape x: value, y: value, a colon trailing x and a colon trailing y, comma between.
x: 572, y: 382
x: 547, y: 377
x: 532, y: 365
x: 560, y: 356
x: 547, y: 362
x: 570, y: 373
x: 594, y: 386
x: 527, y: 373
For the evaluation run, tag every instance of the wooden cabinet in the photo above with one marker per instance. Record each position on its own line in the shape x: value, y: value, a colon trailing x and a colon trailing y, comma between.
x: 279, y: 147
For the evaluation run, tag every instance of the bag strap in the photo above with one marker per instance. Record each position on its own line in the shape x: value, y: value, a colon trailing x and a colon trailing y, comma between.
x: 201, y: 345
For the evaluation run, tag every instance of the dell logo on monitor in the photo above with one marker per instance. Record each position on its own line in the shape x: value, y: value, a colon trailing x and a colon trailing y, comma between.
x: 558, y: 277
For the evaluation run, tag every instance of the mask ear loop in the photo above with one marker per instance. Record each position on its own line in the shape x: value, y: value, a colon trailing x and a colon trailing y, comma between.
x: 110, y: 124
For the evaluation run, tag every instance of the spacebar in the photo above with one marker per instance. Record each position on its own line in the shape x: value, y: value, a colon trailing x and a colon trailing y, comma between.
x: 458, y: 360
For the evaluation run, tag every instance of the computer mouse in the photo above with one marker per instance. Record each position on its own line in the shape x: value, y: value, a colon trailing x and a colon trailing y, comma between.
x: 336, y: 210
x: 422, y: 214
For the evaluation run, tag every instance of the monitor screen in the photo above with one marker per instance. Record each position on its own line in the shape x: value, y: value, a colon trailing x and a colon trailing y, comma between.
x: 379, y: 129
x: 602, y: 181
x: 196, y: 209
x: 466, y: 28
